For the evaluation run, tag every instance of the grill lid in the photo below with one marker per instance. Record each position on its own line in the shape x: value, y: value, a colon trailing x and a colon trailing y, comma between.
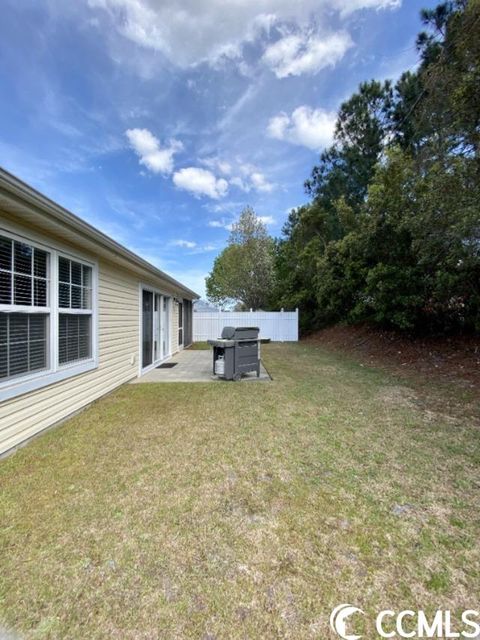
x: 240, y: 333
x: 228, y: 333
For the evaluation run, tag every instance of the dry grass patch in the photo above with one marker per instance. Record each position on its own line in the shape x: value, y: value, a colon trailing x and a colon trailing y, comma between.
x: 242, y: 511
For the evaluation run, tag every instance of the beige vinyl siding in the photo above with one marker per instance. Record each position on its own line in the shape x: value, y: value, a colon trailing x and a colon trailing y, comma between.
x: 118, y: 340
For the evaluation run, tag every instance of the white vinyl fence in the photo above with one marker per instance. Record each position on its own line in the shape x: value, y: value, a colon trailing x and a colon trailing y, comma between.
x: 279, y: 326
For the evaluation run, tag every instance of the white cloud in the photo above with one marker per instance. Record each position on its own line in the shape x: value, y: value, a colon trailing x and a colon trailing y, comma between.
x: 225, y: 223
x: 221, y: 224
x: 189, y: 32
x: 240, y: 183
x: 225, y: 168
x: 253, y: 180
x: 187, y: 244
x: 245, y: 168
x: 243, y: 175
x: 151, y: 154
x: 312, y: 128
x: 226, y: 206
x: 278, y: 125
x: 193, y: 247
x: 217, y: 164
x: 260, y: 183
x: 306, y: 52
x: 267, y: 219
x: 200, y: 182
x: 350, y: 6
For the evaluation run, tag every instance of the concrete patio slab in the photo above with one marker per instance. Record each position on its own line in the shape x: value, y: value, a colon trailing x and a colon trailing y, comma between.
x: 193, y: 366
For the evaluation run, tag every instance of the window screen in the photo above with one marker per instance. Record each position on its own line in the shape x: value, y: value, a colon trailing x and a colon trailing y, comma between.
x: 74, y: 285
x: 23, y: 343
x: 23, y: 274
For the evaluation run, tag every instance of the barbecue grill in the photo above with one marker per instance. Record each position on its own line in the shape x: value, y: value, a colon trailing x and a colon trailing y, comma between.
x: 236, y: 352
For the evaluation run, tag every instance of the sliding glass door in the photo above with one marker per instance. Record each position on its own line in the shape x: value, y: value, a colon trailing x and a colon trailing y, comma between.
x: 155, y: 327
x: 147, y: 328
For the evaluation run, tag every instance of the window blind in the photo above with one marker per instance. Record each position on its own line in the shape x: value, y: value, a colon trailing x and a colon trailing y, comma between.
x: 23, y: 274
x: 74, y: 336
x: 23, y: 343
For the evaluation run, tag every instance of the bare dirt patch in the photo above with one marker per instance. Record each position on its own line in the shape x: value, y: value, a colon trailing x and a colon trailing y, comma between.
x: 448, y: 359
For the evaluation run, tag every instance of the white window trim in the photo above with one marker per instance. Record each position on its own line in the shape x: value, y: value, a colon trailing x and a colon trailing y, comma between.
x: 146, y: 287
x: 56, y: 372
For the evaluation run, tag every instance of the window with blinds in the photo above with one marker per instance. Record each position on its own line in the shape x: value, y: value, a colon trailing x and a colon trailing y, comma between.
x: 46, y: 315
x: 75, y: 311
x: 24, y: 293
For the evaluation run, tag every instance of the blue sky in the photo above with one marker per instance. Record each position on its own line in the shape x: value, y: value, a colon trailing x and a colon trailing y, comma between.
x: 159, y: 120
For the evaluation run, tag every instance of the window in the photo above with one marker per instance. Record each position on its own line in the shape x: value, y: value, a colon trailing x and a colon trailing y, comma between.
x: 75, y: 311
x: 23, y: 287
x: 47, y: 316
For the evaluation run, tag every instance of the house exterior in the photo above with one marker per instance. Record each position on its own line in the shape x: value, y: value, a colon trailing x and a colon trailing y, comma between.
x: 79, y: 314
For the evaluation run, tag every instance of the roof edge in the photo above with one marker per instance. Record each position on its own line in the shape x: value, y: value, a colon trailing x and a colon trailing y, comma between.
x: 27, y: 193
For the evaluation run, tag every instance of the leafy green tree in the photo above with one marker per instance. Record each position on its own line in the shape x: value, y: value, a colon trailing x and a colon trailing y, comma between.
x: 244, y: 271
x: 346, y: 168
x: 408, y: 131
x: 450, y: 74
x: 413, y: 262
x: 391, y: 235
x: 338, y: 186
x: 295, y: 266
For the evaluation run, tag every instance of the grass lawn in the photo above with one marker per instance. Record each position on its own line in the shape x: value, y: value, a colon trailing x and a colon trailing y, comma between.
x: 225, y: 511
x: 199, y: 346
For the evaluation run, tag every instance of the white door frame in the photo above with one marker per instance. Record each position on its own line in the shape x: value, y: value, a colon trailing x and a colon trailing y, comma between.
x: 181, y: 306
x: 165, y: 326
